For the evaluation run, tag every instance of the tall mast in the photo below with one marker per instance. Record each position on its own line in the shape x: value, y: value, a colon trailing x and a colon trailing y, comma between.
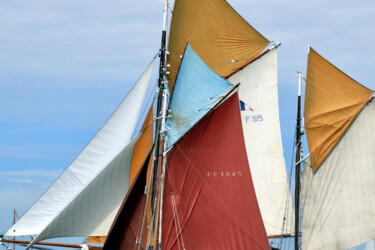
x: 298, y: 164
x: 160, y: 136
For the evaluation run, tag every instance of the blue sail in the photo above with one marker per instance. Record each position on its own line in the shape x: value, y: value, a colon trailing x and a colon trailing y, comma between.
x: 196, y: 91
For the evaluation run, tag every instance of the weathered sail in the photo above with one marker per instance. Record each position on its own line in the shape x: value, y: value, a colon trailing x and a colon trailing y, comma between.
x: 261, y: 126
x: 197, y: 89
x: 108, y: 142
x: 338, y: 199
x: 93, y: 210
x: 218, y: 34
x: 209, y: 199
x: 332, y: 101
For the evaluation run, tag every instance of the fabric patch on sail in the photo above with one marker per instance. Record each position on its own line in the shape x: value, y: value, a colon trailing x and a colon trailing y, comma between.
x: 107, y: 143
x: 261, y: 126
x: 93, y: 210
x: 197, y: 89
x: 219, y: 35
x: 209, y: 199
x: 332, y: 101
x: 338, y: 200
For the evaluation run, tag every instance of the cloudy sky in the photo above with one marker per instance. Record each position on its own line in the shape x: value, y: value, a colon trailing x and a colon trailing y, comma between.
x: 66, y: 65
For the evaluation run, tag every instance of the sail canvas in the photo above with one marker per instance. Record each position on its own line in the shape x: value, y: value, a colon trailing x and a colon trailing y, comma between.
x: 338, y: 199
x: 220, y: 36
x: 207, y: 178
x: 108, y: 142
x: 332, y: 101
x: 261, y: 126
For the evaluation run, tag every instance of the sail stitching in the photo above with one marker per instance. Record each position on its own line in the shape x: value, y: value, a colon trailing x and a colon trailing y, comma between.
x: 218, y: 197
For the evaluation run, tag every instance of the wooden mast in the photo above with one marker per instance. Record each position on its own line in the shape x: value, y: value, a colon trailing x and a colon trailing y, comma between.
x: 160, y: 137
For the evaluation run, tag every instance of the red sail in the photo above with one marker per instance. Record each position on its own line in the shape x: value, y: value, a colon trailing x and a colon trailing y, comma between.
x: 127, y: 231
x: 209, y: 198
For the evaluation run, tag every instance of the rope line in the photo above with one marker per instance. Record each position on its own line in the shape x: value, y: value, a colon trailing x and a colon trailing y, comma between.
x: 175, y: 222
x: 178, y: 221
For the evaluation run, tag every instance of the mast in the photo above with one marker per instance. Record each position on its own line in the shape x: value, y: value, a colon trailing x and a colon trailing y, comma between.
x: 160, y: 137
x: 298, y: 164
x: 14, y: 222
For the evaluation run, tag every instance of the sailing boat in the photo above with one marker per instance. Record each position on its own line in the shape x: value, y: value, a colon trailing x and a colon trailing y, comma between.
x: 198, y: 174
x: 338, y: 179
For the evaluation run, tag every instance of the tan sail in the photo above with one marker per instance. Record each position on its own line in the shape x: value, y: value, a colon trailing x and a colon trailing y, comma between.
x: 96, y: 239
x: 332, y: 101
x: 216, y: 32
x: 143, y: 147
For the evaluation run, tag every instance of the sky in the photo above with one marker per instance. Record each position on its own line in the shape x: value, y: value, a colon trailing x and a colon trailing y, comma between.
x: 66, y: 65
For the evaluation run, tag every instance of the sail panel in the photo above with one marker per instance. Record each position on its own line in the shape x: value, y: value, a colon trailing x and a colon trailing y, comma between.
x: 128, y: 231
x: 107, y: 143
x: 332, y: 101
x: 197, y: 89
x: 209, y: 195
x: 96, y: 239
x: 93, y: 210
x: 217, y: 33
x: 141, y: 151
x: 338, y: 200
x: 261, y: 126
x: 143, y: 146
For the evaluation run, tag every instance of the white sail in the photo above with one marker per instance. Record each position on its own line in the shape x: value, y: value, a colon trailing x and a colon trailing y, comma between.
x: 94, y: 209
x: 261, y: 126
x: 107, y: 143
x: 338, y: 200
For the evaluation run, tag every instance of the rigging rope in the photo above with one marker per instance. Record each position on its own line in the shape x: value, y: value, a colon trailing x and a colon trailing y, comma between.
x: 175, y: 222
x: 178, y: 221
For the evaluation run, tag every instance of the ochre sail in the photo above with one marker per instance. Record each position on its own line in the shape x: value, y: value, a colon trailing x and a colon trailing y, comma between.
x: 216, y: 32
x: 332, y: 101
x: 209, y: 198
x: 143, y: 146
x: 96, y: 239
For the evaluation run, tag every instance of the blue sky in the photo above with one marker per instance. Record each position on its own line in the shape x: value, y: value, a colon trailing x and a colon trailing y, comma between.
x: 66, y: 65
